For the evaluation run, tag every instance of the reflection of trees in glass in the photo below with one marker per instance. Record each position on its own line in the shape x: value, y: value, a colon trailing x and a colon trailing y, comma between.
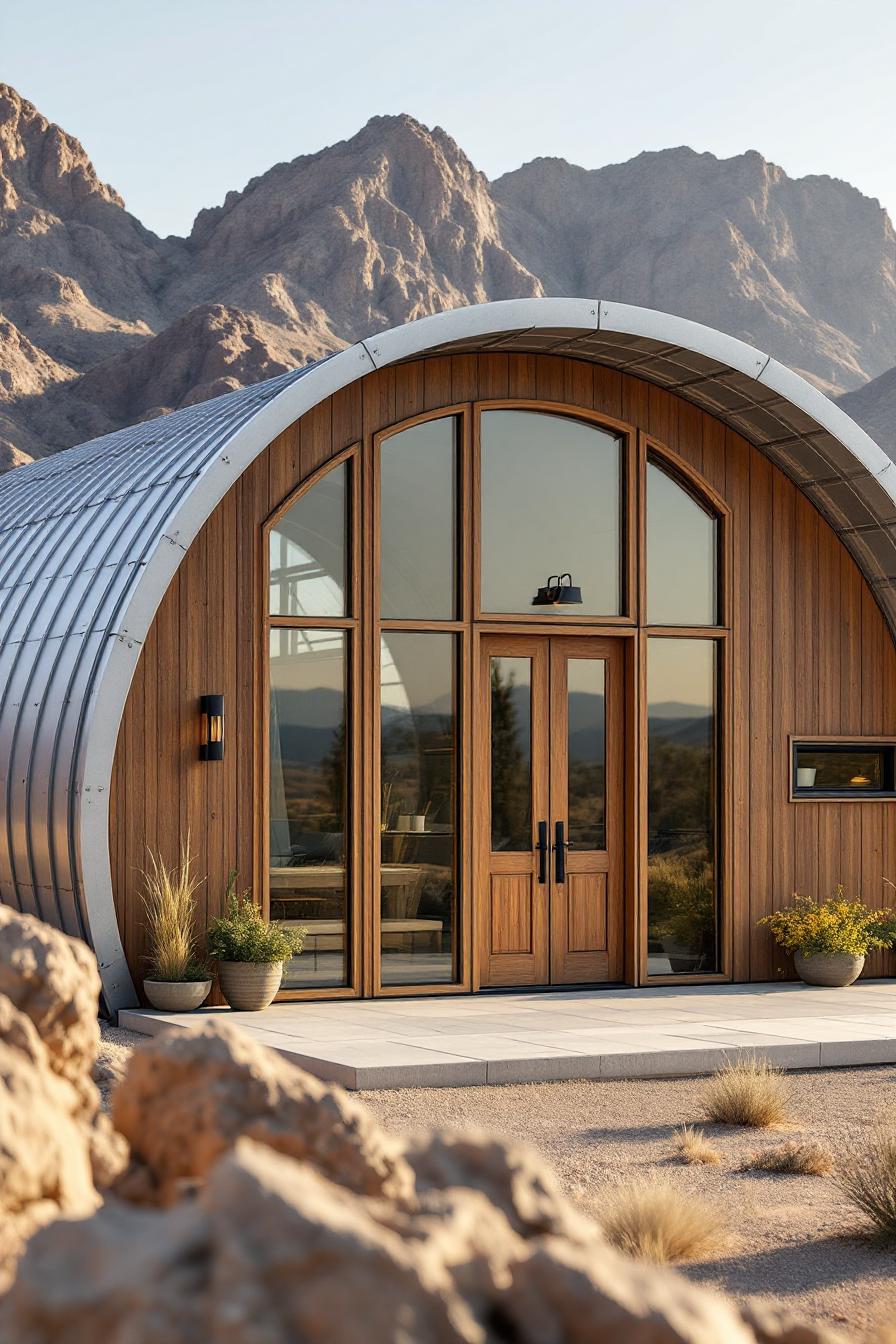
x: 511, y: 818
x: 679, y: 791
x: 681, y: 867
x: 682, y: 908
x: 586, y: 804
x: 334, y: 771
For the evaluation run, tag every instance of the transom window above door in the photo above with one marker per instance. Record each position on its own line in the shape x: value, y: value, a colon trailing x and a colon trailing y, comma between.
x: 551, y: 506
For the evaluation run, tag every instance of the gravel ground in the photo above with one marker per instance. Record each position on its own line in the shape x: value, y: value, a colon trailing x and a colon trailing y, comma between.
x: 794, y: 1240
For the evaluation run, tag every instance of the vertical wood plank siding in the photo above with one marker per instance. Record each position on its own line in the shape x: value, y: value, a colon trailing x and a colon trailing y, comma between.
x: 810, y: 654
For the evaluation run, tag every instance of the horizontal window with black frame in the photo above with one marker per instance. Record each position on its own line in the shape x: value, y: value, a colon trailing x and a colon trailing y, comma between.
x: 858, y: 768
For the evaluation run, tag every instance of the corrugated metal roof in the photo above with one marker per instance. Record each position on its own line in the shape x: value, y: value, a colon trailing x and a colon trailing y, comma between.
x: 90, y: 539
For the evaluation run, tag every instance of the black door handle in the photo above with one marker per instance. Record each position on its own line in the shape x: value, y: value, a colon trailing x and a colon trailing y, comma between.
x: 560, y: 848
x: 542, y: 848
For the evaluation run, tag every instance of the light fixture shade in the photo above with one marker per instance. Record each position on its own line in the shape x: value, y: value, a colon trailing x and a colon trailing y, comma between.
x: 559, y: 591
x: 211, y: 710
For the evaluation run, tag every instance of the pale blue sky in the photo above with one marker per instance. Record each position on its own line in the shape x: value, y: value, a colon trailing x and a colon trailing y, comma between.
x: 179, y: 101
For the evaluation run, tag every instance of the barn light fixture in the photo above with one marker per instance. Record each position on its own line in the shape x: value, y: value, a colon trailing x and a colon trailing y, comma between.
x: 559, y: 591
x: 211, y: 709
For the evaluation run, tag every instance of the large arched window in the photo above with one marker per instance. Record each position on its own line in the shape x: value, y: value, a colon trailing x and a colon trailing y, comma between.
x: 386, y: 571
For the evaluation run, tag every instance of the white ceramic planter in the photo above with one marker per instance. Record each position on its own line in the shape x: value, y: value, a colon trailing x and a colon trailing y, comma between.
x: 249, y: 986
x: 834, y: 969
x: 805, y: 777
x: 176, y: 996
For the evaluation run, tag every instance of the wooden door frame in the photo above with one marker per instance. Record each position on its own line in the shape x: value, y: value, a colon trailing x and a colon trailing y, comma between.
x: 625, y: 642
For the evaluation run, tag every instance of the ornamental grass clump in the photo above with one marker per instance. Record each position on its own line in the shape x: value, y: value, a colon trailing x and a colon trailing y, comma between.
x: 243, y: 933
x: 794, y: 1158
x: 835, y: 925
x: 169, y: 907
x: 653, y: 1221
x: 751, y: 1093
x: 868, y: 1179
x: 693, y: 1147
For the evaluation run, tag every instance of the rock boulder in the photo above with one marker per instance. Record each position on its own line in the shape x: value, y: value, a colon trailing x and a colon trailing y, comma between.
x: 187, y: 1097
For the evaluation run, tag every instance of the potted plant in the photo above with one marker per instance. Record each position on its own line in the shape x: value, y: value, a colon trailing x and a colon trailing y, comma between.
x: 178, y: 981
x: 250, y: 951
x: 830, y: 939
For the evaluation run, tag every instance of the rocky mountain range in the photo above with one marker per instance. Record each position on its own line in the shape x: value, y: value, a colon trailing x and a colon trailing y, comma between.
x: 102, y: 323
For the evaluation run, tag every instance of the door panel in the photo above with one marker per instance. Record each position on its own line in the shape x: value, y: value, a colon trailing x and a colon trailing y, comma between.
x: 586, y: 809
x: 549, y: 765
x: 512, y: 782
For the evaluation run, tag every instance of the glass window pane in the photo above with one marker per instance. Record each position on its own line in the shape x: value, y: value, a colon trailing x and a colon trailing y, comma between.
x: 308, y: 551
x: 681, y: 555
x: 682, y: 775
x: 418, y: 475
x: 550, y: 504
x: 418, y: 898
x: 511, y: 750
x: 585, y: 753
x: 844, y: 768
x: 308, y: 799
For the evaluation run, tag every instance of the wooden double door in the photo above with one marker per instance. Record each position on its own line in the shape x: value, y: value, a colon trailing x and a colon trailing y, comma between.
x: 549, y: 810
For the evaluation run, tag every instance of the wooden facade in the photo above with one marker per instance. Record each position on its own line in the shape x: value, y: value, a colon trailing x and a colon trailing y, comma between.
x: 807, y: 653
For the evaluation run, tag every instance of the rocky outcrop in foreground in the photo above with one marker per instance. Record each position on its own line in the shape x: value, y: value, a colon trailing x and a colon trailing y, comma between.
x: 57, y: 1149
x: 260, y: 1206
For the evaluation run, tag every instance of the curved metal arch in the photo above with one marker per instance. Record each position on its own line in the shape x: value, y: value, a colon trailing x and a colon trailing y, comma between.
x: 91, y: 538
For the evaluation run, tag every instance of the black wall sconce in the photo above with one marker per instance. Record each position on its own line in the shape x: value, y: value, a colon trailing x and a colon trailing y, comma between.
x: 211, y: 709
x: 559, y: 591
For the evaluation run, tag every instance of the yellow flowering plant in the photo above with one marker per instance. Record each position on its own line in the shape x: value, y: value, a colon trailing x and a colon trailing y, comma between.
x: 833, y: 925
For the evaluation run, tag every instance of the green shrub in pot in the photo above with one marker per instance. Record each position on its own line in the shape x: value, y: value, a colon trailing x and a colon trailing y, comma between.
x: 250, y: 950
x: 830, y: 939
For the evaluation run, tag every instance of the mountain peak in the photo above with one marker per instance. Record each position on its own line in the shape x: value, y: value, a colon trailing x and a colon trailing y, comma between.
x: 105, y: 323
x: 41, y: 164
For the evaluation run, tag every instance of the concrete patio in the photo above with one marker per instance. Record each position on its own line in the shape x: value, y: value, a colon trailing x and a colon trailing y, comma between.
x: 544, y: 1037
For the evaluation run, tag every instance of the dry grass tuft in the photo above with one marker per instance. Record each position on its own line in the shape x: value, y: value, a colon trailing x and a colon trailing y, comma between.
x: 168, y: 898
x: 751, y: 1092
x: 692, y: 1146
x: 653, y: 1221
x: 868, y: 1179
x: 793, y: 1158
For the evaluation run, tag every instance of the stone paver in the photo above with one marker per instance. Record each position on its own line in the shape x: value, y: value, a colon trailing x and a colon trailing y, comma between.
x: 530, y: 1037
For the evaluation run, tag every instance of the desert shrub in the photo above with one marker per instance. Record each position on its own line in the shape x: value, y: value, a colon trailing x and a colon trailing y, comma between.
x: 243, y: 933
x: 653, y: 1221
x: 692, y: 1146
x: 794, y: 1158
x: 833, y: 925
x: 750, y: 1092
x: 868, y: 1179
x: 169, y: 908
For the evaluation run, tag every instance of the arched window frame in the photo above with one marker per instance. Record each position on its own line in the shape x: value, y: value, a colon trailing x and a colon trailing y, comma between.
x: 352, y: 624
x: 629, y: 558
x: 719, y: 633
